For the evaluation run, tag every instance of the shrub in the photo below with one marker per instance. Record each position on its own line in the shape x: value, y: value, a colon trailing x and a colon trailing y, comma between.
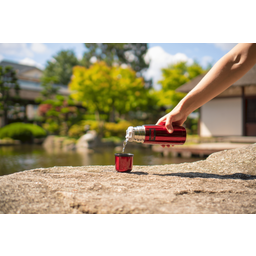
x: 37, y: 131
x: 51, y: 127
x: 109, y: 129
x: 113, y: 129
x: 92, y: 117
x: 69, y: 141
x: 23, y: 132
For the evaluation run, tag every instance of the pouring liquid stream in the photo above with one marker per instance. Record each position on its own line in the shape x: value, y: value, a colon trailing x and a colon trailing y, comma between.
x: 124, y: 144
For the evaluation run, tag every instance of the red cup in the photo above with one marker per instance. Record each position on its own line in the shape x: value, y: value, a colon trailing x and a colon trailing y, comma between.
x: 123, y: 162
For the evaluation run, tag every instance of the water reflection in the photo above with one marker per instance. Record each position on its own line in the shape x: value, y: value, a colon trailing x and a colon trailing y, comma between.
x: 25, y: 157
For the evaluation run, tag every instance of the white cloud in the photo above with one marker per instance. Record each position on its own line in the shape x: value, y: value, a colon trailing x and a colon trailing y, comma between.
x: 52, y: 60
x: 206, y: 60
x: 124, y: 65
x: 30, y: 62
x: 130, y: 56
x: 225, y: 47
x: 19, y: 49
x: 93, y: 59
x: 79, y: 56
x: 38, y: 47
x: 160, y: 59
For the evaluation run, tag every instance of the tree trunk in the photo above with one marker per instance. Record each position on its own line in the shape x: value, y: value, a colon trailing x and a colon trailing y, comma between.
x: 5, y: 117
x: 112, y: 116
x: 97, y: 115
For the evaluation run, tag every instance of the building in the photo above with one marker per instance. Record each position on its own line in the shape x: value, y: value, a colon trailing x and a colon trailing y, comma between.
x: 233, y: 112
x: 30, y: 88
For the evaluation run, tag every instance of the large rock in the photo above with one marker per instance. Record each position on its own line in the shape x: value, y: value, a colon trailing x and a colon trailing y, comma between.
x: 49, y: 141
x: 87, y: 141
x: 223, y: 183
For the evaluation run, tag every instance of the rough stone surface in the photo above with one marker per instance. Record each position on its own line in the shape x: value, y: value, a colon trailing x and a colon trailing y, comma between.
x: 223, y: 183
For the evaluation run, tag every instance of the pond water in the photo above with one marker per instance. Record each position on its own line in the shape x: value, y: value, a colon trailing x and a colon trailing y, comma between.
x: 26, y: 157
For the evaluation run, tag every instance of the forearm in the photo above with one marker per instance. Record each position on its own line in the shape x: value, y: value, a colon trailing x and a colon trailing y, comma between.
x: 223, y: 74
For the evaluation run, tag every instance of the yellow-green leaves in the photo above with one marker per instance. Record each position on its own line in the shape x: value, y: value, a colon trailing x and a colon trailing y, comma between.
x: 173, y: 77
x: 104, y: 89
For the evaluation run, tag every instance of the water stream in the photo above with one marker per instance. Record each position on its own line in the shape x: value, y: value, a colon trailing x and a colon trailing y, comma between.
x: 124, y: 144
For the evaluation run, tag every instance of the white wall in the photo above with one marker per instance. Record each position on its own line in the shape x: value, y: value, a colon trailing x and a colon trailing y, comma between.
x: 221, y: 117
x: 31, y: 111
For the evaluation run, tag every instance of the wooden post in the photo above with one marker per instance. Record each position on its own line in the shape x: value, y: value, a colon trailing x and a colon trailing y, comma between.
x: 199, y: 123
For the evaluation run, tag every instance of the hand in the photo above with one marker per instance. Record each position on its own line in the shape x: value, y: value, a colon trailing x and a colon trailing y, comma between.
x: 175, y: 117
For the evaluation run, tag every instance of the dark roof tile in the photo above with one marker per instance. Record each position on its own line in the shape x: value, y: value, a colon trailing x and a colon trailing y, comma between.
x: 20, y: 67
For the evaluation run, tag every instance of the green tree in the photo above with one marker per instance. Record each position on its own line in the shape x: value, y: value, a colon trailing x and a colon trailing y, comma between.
x: 59, y: 69
x: 57, y: 72
x: 105, y: 89
x: 128, y: 53
x: 58, y: 112
x: 173, y: 77
x: 9, y: 90
x: 129, y: 92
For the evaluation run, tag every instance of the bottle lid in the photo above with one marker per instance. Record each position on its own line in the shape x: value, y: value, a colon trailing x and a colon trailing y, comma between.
x: 135, y: 134
x: 129, y: 133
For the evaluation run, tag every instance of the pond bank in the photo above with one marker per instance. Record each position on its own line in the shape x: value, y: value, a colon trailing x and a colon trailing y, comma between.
x: 203, y: 149
x: 223, y: 183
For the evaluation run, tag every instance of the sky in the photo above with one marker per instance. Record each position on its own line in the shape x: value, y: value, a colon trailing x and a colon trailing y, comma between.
x: 159, y: 54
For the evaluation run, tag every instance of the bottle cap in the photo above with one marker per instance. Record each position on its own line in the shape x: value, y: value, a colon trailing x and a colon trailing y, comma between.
x: 129, y: 133
x: 135, y: 134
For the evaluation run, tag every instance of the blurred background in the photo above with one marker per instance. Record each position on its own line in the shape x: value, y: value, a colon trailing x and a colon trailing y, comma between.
x: 71, y: 103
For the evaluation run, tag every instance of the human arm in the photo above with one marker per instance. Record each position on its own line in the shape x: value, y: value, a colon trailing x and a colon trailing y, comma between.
x: 222, y: 75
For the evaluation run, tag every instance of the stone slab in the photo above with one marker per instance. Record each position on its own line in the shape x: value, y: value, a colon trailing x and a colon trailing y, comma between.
x: 223, y: 183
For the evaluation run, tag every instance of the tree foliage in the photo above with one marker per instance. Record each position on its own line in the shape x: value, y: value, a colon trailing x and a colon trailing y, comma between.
x: 128, y: 53
x: 106, y: 89
x: 56, y: 110
x: 173, y: 77
x: 58, y: 114
x: 59, y: 69
x: 57, y: 72
x: 9, y: 90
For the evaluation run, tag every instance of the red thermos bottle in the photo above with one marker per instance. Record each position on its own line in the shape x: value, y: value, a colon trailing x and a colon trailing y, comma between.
x: 156, y: 134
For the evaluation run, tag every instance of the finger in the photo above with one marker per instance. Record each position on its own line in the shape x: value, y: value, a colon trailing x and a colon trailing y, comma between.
x: 162, y: 123
x: 161, y: 120
x: 168, y: 124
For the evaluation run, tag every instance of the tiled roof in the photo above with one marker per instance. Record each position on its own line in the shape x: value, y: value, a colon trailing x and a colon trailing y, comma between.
x: 20, y: 67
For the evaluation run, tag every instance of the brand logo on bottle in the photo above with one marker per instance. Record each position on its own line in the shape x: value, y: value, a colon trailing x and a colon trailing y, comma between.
x: 152, y: 134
